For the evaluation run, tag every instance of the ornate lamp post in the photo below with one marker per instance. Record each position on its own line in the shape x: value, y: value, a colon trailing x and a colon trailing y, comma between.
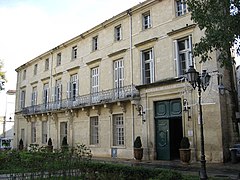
x: 201, y: 81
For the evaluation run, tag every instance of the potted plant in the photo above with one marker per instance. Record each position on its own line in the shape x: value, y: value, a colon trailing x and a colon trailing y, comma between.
x: 20, y: 145
x: 50, y: 146
x: 64, y: 144
x: 138, y: 150
x: 185, y: 151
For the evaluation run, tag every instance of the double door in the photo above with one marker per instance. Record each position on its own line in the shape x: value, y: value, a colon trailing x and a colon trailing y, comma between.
x: 168, y: 128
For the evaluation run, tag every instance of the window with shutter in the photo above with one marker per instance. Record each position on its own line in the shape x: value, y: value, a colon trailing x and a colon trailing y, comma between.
x: 183, y: 55
x: 147, y: 66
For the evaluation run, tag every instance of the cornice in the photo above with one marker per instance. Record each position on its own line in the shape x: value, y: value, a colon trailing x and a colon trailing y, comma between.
x: 146, y: 42
x: 117, y: 52
x: 187, y: 27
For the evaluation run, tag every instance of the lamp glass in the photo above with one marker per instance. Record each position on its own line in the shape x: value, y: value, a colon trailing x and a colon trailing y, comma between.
x: 192, y: 76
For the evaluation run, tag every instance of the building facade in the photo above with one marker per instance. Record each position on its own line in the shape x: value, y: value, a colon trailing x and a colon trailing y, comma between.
x: 122, y: 79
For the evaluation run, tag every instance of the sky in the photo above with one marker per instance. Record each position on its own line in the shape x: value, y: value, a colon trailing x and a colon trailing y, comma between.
x: 29, y: 28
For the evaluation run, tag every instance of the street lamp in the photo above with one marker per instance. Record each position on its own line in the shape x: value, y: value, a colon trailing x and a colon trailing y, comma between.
x: 201, y: 81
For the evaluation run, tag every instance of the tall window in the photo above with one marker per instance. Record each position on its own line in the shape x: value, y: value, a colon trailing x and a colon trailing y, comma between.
x: 47, y: 64
x: 118, y: 73
x: 95, y: 43
x: 63, y: 130
x: 118, y: 33
x: 95, y: 80
x: 94, y: 136
x: 59, y: 59
x: 95, y: 84
x: 74, y: 52
x: 35, y: 69
x: 33, y: 132
x: 44, y: 132
x: 24, y: 74
x: 146, y: 20
x: 118, y: 130
x: 34, y: 96
x: 181, y: 7
x: 73, y: 87
x: 58, y: 91
x: 22, y: 99
x: 183, y: 55
x: 45, y: 93
x: 147, y: 66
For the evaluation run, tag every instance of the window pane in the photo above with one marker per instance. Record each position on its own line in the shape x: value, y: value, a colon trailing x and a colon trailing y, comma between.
x: 94, y: 137
x: 118, y: 130
x: 148, y: 71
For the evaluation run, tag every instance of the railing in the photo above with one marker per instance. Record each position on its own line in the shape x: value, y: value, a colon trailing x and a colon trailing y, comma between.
x: 108, y: 96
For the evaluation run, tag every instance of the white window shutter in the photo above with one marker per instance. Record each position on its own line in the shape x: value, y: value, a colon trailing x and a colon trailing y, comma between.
x: 76, y: 95
x: 35, y: 103
x: 190, y: 51
x: 152, y: 66
x: 142, y: 68
x: 69, y: 90
x: 47, y: 94
x: 60, y: 94
x: 176, y: 58
x: 55, y: 93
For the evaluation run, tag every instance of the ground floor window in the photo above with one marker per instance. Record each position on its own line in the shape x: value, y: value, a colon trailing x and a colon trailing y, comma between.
x: 118, y: 130
x: 44, y: 132
x: 63, y: 131
x: 33, y: 132
x: 94, y: 136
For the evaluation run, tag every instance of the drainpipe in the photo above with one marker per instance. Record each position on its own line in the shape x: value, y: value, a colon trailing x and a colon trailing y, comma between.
x: 129, y: 12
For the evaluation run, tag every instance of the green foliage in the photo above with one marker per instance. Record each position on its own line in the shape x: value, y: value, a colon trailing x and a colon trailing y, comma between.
x: 169, y: 175
x: 82, y: 151
x: 2, y: 74
x: 220, y: 27
x: 64, y: 141
x: 185, y: 143
x: 61, y: 165
x: 49, y: 142
x: 138, y: 142
x: 33, y: 147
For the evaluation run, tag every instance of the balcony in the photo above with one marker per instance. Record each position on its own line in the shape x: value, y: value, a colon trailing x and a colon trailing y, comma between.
x: 126, y: 93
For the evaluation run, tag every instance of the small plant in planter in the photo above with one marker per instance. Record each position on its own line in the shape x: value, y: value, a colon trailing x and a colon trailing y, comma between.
x: 50, y: 146
x: 138, y: 150
x: 185, y: 151
x: 20, y: 145
x: 64, y: 144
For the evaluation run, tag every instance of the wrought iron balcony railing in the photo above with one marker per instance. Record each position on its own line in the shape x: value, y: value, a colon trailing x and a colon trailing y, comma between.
x: 108, y: 96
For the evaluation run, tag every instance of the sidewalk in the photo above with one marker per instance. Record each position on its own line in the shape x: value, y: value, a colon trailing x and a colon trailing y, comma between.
x: 219, y: 170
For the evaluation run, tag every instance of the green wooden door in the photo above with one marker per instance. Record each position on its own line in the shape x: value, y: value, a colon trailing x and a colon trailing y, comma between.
x: 165, y: 111
x: 162, y: 139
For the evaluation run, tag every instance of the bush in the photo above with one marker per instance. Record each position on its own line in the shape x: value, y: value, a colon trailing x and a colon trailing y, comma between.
x: 185, y: 143
x: 138, y: 142
x: 169, y: 175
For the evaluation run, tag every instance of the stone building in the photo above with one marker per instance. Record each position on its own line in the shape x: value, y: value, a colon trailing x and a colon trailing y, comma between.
x: 126, y: 78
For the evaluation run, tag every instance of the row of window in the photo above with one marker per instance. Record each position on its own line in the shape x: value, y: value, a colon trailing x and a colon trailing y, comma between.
x: 118, y: 131
x: 181, y: 9
x: 183, y: 59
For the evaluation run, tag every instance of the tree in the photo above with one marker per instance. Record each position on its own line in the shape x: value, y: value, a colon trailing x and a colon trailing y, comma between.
x: 220, y: 20
x: 2, y: 76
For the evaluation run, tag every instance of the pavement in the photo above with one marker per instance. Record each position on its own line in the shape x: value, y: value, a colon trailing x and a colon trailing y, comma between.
x: 218, y: 170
